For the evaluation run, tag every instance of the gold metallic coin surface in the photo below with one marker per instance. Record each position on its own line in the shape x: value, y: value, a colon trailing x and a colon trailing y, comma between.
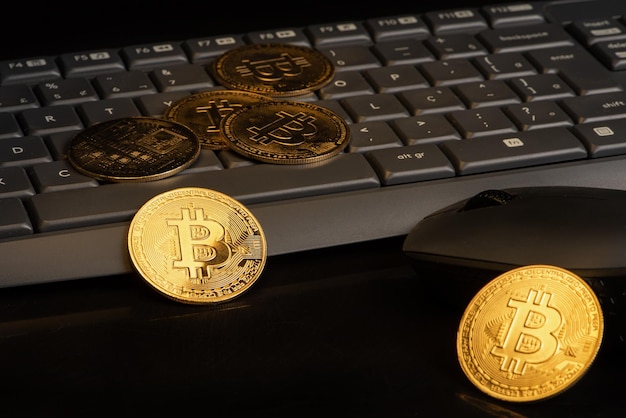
x: 197, y: 246
x: 134, y: 149
x: 203, y: 112
x: 283, y: 132
x: 530, y: 333
x: 277, y: 70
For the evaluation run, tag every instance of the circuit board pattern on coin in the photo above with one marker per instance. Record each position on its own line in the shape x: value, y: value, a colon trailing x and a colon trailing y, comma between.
x: 283, y: 132
x: 277, y: 70
x: 197, y: 246
x: 530, y: 333
x: 133, y: 149
x: 203, y: 113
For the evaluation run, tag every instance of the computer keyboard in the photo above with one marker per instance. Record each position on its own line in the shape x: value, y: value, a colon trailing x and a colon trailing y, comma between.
x: 441, y: 105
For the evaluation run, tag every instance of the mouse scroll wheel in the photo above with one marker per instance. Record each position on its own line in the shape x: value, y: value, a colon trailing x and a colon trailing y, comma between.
x: 488, y: 198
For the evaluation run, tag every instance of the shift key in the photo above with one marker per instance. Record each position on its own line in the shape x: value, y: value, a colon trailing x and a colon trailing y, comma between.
x: 251, y: 184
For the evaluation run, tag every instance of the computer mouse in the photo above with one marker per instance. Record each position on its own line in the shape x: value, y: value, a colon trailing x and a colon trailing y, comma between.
x: 459, y: 248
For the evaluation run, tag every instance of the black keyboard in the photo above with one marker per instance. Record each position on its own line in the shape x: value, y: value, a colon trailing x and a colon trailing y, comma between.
x: 441, y: 105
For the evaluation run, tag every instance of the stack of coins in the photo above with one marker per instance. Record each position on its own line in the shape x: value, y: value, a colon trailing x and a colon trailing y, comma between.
x: 197, y: 245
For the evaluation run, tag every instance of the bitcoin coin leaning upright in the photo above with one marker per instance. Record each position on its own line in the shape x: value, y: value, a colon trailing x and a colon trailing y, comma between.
x: 283, y: 132
x: 134, y: 149
x: 197, y: 246
x: 530, y: 333
x: 277, y: 70
x: 203, y: 112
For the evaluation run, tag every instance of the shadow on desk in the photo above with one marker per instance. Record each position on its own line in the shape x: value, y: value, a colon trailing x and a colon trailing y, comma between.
x: 342, y: 332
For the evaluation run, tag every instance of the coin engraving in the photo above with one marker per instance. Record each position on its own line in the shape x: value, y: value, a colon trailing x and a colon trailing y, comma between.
x: 277, y: 70
x: 530, y: 333
x: 282, y: 132
x: 197, y: 246
x: 203, y: 113
x: 133, y: 149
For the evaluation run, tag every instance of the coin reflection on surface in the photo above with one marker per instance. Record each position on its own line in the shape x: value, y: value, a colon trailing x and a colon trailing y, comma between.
x: 197, y: 246
x: 530, y: 333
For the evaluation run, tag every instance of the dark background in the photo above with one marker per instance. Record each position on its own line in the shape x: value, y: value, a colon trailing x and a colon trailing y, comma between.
x: 352, y: 331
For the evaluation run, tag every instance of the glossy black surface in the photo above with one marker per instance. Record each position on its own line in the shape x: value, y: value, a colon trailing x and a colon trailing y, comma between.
x: 339, y: 332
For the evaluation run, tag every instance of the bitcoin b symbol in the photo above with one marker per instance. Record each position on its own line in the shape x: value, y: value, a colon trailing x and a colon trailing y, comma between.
x: 287, y: 129
x: 530, y: 337
x: 201, y: 243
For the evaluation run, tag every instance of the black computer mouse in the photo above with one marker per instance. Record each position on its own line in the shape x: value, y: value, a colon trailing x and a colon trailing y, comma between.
x: 461, y: 247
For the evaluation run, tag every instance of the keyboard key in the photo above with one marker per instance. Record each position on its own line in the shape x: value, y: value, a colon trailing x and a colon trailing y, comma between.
x: 371, y: 107
x: 346, y: 84
x: 486, y: 93
x: 9, y: 128
x: 49, y: 120
x: 410, y: 164
x: 577, y: 67
x: 17, y: 97
x: 338, y: 33
x: 30, y: 70
x: 204, y: 50
x: 503, y: 15
x: 294, y: 36
x: 448, y: 72
x: 541, y: 87
x: 90, y: 63
x: 480, y: 122
x: 124, y: 84
x: 596, y: 107
x: 369, y: 136
x: 424, y: 129
x: 147, y: 56
x: 103, y: 110
x: 402, y: 51
x: 455, y: 46
x: 252, y: 184
x: 431, y: 100
x: 354, y: 58
x: 503, y: 66
x: 58, y: 175
x: 66, y: 92
x: 407, y: 26
x: 522, y: 149
x: 525, y: 38
x: 396, y: 78
x: 186, y: 77
x: 537, y: 115
x: 14, y: 182
x: 14, y: 220
x: 23, y: 152
x: 603, y: 139
x: 455, y: 21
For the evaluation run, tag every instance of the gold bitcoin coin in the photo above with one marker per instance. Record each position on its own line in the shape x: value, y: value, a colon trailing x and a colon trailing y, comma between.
x: 197, y: 246
x: 283, y: 132
x: 277, y: 70
x: 203, y: 112
x: 530, y: 333
x: 133, y: 149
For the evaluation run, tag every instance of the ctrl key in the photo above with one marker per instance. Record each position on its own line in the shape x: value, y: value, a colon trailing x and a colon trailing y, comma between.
x: 14, y: 219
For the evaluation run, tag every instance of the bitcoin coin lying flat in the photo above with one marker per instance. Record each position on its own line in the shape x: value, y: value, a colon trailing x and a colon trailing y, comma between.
x: 282, y: 132
x: 530, y: 333
x: 203, y: 112
x: 197, y: 246
x: 277, y: 70
x: 133, y: 149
